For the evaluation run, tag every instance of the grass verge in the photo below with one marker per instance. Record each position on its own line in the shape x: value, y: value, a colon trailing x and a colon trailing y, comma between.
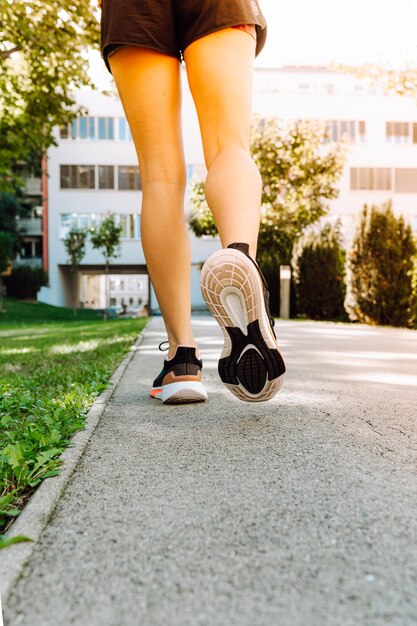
x: 52, y: 367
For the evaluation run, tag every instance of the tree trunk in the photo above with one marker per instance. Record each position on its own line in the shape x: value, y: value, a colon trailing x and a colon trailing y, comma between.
x: 74, y: 293
x: 106, y: 286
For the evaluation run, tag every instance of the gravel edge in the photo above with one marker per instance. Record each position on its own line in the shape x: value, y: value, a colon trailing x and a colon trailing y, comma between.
x: 42, y: 503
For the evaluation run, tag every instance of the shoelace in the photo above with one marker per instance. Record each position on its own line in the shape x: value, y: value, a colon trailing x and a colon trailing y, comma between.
x: 163, y: 349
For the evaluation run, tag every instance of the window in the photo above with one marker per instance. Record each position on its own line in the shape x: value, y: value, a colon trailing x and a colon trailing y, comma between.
x: 68, y: 221
x: 106, y: 176
x: 362, y: 131
x: 80, y: 128
x: 94, y: 220
x: 83, y: 220
x: 406, y: 180
x: 129, y: 222
x: 105, y: 128
x: 124, y: 130
x: 398, y: 132
x: 77, y: 177
x: 190, y: 173
x: 26, y: 249
x: 122, y: 221
x: 129, y: 177
x: 131, y: 227
x: 338, y: 130
x: 370, y: 178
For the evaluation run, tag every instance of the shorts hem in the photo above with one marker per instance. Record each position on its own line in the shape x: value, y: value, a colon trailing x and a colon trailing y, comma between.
x: 260, y: 32
x: 125, y: 44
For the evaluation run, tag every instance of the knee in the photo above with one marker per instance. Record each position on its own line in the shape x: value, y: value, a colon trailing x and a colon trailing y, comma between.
x: 226, y: 151
x: 173, y: 179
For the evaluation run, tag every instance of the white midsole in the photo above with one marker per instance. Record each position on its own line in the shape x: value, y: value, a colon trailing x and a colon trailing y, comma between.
x: 184, y: 390
x: 228, y: 308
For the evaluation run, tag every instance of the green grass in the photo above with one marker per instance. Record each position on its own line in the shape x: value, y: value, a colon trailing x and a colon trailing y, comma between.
x: 52, y: 366
x: 19, y: 313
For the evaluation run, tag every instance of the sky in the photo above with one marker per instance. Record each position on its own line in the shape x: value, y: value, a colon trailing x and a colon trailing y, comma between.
x: 321, y: 32
x: 318, y: 32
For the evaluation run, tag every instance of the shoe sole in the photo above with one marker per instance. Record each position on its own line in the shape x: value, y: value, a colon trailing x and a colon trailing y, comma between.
x: 251, y: 365
x: 180, y: 393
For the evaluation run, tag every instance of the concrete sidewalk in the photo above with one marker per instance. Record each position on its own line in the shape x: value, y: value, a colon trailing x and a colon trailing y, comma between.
x: 297, y: 512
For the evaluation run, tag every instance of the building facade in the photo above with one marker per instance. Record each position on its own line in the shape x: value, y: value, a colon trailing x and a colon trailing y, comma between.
x: 93, y: 172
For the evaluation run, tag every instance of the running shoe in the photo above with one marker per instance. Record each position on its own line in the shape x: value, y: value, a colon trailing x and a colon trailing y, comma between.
x: 236, y: 292
x: 180, y: 379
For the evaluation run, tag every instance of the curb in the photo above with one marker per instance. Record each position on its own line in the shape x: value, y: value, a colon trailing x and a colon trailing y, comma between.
x: 42, y: 503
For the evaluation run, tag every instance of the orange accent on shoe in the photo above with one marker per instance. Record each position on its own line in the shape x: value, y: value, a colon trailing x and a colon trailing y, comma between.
x: 171, y: 378
x: 154, y: 392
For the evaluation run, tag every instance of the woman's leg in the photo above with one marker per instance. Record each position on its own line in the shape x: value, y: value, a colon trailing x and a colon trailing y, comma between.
x: 148, y: 83
x: 219, y: 68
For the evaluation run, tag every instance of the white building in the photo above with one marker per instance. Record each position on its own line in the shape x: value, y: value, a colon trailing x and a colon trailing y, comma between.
x: 93, y: 171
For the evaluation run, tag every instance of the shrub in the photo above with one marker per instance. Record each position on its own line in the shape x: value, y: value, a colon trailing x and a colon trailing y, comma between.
x: 318, y: 264
x: 414, y: 286
x: 380, y: 269
x: 25, y: 282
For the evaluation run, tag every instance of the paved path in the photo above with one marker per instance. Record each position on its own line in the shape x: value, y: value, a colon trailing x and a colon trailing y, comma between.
x: 297, y: 512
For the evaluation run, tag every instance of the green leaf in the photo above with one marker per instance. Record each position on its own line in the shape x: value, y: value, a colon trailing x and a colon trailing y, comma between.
x: 8, y: 541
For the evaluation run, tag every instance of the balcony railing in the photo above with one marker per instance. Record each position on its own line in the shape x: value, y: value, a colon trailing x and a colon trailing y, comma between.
x: 30, y: 226
x: 33, y: 261
x: 33, y: 186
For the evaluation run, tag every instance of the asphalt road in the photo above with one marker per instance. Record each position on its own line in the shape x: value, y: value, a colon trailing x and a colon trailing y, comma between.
x: 297, y: 512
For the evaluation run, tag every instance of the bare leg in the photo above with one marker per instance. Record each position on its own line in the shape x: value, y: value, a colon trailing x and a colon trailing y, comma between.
x: 149, y: 87
x: 219, y: 68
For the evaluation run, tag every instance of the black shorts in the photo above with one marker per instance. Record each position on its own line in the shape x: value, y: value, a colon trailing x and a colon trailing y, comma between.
x: 169, y: 26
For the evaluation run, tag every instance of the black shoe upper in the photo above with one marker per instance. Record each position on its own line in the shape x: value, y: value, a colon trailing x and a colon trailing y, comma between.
x: 184, y: 363
x: 244, y: 247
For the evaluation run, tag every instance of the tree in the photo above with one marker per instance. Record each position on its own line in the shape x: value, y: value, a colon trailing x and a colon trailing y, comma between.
x: 319, y: 269
x: 10, y: 208
x: 6, y: 245
x: 75, y: 246
x: 42, y: 62
x: 106, y: 238
x: 380, y: 268
x: 300, y: 173
x: 414, y: 284
x: 397, y: 82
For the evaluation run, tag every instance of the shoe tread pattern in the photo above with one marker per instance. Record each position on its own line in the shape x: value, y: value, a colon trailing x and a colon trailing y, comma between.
x: 253, y: 368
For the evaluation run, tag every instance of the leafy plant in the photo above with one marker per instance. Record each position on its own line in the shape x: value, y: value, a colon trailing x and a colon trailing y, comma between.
x: 75, y: 246
x: 380, y: 267
x: 50, y: 373
x: 319, y: 270
x: 25, y: 281
x: 300, y: 173
x: 42, y: 63
x: 106, y: 238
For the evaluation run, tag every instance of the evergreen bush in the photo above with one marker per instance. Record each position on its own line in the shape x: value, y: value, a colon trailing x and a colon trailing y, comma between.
x: 319, y: 270
x: 414, y: 286
x: 380, y: 269
x: 25, y: 282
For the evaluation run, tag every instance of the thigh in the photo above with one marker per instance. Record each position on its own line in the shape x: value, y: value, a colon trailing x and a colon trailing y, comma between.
x: 198, y: 18
x: 144, y: 23
x: 149, y: 87
x: 220, y: 69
